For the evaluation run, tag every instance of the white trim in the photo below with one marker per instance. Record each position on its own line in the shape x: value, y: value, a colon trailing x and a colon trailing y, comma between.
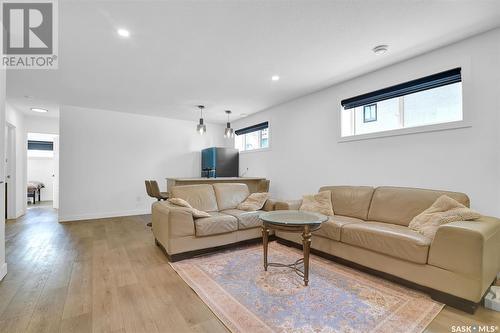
x: 409, y: 130
x: 3, y: 271
x: 92, y: 216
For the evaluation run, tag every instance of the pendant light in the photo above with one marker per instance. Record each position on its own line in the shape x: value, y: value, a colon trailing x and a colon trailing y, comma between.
x: 201, y: 128
x: 228, y: 132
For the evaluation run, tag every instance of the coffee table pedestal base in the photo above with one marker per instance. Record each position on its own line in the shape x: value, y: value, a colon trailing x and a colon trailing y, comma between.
x: 306, y: 246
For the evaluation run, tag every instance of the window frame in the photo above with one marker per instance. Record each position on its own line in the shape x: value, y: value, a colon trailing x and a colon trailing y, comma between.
x: 406, y: 131
x: 462, y: 62
x: 260, y: 140
x: 370, y: 120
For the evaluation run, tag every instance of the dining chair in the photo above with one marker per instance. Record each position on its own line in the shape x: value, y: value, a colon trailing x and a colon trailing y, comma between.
x: 148, y: 188
x: 155, y: 191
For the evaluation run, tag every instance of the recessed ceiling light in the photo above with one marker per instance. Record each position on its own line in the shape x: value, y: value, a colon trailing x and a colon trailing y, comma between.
x: 123, y: 33
x: 380, y: 49
x: 39, y: 110
x: 243, y: 115
x: 275, y: 77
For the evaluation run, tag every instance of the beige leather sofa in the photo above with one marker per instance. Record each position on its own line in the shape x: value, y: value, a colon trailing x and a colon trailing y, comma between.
x: 370, y: 229
x: 181, y: 236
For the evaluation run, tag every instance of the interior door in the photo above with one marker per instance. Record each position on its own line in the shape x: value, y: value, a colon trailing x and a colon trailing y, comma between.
x: 55, y: 175
x: 10, y: 171
x: 3, y: 167
x: 3, y: 264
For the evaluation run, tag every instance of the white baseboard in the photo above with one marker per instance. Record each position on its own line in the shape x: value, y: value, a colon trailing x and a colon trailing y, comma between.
x: 17, y: 214
x: 93, y: 216
x: 3, y: 271
x: 20, y: 213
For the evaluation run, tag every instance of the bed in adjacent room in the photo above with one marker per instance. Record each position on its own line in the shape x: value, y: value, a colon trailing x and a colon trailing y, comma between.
x: 34, y: 190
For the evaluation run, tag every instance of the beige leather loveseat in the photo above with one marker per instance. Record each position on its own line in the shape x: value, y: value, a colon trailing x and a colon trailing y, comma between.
x: 182, y: 236
x: 370, y: 228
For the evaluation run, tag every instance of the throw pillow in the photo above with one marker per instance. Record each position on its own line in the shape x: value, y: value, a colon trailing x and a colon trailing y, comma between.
x: 319, y: 203
x: 179, y: 202
x: 198, y: 213
x: 254, y: 201
x: 443, y: 210
x: 183, y: 203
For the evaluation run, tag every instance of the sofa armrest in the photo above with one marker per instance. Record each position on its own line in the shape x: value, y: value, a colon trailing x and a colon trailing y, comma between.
x: 288, y: 205
x: 170, y: 221
x: 471, y: 248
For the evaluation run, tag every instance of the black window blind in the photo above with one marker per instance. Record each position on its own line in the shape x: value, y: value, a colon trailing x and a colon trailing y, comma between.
x: 40, y: 145
x: 410, y: 87
x: 252, y: 128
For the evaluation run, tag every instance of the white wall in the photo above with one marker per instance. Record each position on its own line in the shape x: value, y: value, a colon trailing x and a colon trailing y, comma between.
x: 16, y: 118
x: 40, y: 124
x: 105, y: 156
x: 3, y: 265
x: 305, y: 153
x: 41, y: 169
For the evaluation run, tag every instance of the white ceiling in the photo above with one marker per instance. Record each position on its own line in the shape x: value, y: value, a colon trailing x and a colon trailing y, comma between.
x: 223, y: 53
x: 26, y: 102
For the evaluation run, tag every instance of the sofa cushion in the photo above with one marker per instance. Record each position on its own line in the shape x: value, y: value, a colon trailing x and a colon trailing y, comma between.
x: 399, y: 205
x: 391, y: 239
x: 246, y: 220
x: 217, y: 223
x: 352, y: 201
x: 201, y: 196
x: 332, y: 228
x: 229, y: 195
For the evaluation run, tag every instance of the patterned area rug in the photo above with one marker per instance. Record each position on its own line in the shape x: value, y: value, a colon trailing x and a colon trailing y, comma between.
x: 339, y: 299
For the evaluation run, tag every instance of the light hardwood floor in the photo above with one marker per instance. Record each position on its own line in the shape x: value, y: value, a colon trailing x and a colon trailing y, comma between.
x: 107, y: 275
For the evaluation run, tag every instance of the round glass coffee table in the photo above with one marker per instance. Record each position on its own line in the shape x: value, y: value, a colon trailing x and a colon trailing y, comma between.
x: 292, y: 221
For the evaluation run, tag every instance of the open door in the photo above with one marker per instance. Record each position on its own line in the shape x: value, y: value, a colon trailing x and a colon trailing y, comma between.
x: 10, y: 172
x: 55, y: 175
x: 3, y: 167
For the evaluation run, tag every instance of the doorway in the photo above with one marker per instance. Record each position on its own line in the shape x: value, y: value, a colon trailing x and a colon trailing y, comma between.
x: 43, y: 170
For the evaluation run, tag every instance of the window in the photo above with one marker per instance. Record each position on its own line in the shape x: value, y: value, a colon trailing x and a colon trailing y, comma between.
x: 252, y: 137
x: 38, y: 148
x: 431, y: 100
x: 40, y: 145
x: 369, y: 113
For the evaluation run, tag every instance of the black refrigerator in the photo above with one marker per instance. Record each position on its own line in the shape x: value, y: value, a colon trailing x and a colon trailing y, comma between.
x: 219, y: 162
